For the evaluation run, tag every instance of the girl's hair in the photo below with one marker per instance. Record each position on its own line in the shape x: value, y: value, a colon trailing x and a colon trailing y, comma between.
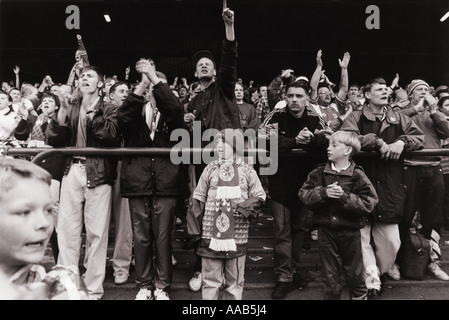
x: 12, y: 170
x: 349, y: 139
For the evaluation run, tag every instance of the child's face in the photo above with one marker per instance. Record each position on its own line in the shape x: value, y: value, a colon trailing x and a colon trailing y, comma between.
x: 48, y: 106
x: 445, y: 107
x: 4, y: 101
x: 224, y: 150
x: 26, y: 224
x: 337, y: 151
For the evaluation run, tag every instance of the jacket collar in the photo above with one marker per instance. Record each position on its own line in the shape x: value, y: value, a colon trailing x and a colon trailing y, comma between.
x: 390, y: 115
x: 347, y: 172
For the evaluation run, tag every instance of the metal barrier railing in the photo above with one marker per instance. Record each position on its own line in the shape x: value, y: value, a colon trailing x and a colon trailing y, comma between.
x: 40, y: 154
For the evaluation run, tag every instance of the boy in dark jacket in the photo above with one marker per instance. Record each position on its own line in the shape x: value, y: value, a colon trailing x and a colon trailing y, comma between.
x: 340, y: 196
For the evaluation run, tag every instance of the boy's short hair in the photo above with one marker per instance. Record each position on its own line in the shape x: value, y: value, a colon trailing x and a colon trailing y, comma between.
x: 349, y: 139
x: 11, y: 169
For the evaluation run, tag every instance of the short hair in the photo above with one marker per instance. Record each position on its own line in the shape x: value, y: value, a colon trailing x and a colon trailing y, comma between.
x: 323, y: 85
x: 11, y: 170
x: 372, y: 82
x: 96, y: 69
x: 349, y: 139
x: 118, y: 83
x: 354, y: 84
x: 260, y: 86
x: 48, y: 94
x: 442, y: 100
x: 28, y: 89
x: 7, y: 94
x: 299, y: 84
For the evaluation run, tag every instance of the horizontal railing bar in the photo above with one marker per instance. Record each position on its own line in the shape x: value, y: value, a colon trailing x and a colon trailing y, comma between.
x: 42, y: 153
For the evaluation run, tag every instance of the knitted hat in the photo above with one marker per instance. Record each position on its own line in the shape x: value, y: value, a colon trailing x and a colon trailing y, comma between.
x: 202, y: 54
x: 417, y: 82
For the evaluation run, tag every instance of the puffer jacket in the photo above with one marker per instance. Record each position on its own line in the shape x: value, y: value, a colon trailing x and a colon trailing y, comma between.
x: 143, y: 175
x: 101, y: 132
x: 348, y: 212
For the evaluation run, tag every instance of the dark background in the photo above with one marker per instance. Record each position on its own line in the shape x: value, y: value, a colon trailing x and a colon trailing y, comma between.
x: 272, y: 35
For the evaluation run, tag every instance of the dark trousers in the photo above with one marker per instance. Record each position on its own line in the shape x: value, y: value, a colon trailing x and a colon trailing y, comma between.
x: 152, y: 222
x: 425, y: 191
x: 290, y: 228
x: 446, y: 198
x: 341, y: 258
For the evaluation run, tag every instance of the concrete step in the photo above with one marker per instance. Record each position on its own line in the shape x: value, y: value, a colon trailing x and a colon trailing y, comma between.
x: 259, y: 275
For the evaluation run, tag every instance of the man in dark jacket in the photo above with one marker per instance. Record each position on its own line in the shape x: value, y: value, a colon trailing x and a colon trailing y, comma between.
x: 151, y: 184
x: 297, y: 127
x: 388, y: 132
x: 215, y: 106
x: 86, y: 188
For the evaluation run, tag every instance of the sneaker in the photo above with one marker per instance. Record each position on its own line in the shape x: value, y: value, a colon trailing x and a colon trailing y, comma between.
x: 144, y: 294
x: 299, y: 281
x: 120, y: 278
x: 394, y: 273
x: 196, y: 282
x: 160, y: 294
x: 314, y: 235
x: 434, y: 269
x: 281, y: 289
x: 174, y: 262
x: 178, y: 221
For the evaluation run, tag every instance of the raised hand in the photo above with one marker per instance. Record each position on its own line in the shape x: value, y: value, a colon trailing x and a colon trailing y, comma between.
x: 16, y: 69
x: 345, y: 61
x: 319, y: 61
x: 228, y: 16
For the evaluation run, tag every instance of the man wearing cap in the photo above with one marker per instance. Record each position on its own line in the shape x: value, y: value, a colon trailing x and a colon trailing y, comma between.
x: 214, y: 106
x: 424, y: 176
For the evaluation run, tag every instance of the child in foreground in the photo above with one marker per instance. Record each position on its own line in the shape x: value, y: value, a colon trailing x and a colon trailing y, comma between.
x: 228, y: 196
x: 340, y: 196
x: 26, y: 224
